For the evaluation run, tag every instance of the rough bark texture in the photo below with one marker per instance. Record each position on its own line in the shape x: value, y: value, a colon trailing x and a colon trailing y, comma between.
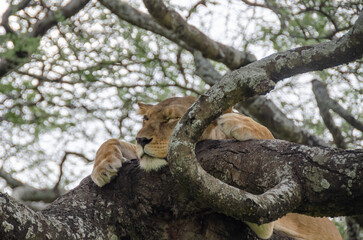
x: 329, y: 177
x: 261, y: 109
x: 256, y: 78
x: 325, y: 103
x: 140, y: 205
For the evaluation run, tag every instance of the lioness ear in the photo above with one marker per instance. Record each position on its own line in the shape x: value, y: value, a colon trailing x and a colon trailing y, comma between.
x: 143, y: 107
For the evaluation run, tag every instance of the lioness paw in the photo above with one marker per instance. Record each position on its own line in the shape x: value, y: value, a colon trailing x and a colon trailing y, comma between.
x: 108, y: 160
x: 106, y: 170
x: 242, y: 128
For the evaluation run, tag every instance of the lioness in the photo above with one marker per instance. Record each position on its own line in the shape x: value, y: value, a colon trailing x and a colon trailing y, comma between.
x: 152, y: 146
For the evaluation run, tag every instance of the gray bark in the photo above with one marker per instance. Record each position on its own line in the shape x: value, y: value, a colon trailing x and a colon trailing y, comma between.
x: 140, y: 205
x: 256, y: 78
x: 261, y: 109
x: 325, y: 103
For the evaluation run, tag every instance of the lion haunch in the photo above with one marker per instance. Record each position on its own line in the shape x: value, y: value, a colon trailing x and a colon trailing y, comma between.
x: 152, y: 146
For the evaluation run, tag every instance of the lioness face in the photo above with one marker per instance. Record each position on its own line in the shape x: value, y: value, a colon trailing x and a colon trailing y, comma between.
x: 158, y: 125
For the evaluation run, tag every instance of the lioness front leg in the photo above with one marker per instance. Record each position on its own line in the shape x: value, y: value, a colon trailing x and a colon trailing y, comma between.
x: 109, y: 158
x: 242, y: 128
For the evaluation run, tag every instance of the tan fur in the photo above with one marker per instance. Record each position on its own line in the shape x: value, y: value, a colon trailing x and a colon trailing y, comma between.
x: 305, y: 227
x: 159, y: 122
x: 109, y: 159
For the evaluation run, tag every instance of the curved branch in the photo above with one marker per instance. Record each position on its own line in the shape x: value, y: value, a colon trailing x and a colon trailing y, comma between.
x: 90, y: 212
x: 321, y: 173
x: 255, y: 79
x: 192, y: 36
x: 262, y: 109
x: 163, y: 211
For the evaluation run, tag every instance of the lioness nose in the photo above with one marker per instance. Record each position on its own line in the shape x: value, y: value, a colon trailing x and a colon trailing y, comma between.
x: 143, y: 141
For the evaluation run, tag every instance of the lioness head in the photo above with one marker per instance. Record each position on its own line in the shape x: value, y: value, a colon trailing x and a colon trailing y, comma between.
x: 158, y: 125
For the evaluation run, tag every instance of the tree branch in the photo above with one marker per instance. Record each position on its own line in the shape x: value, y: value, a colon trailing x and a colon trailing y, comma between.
x: 197, y: 40
x: 182, y: 34
x: 262, y: 109
x: 161, y: 209
x: 90, y: 212
x: 10, y: 181
x: 325, y: 99
x: 157, y: 203
x: 320, y: 92
x: 26, y: 193
x: 260, y: 165
x: 255, y: 79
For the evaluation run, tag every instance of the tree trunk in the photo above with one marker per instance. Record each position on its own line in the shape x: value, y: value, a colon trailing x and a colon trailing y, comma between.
x: 140, y: 205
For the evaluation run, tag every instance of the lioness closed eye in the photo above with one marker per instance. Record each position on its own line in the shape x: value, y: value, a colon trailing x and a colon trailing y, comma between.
x: 152, y: 145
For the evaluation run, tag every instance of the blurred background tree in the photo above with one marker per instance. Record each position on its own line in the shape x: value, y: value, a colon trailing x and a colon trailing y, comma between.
x: 71, y: 73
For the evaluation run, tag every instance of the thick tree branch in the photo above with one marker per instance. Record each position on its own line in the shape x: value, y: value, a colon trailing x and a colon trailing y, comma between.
x: 255, y: 79
x: 321, y: 172
x: 39, y: 29
x: 262, y: 109
x: 90, y: 212
x: 325, y: 103
x: 159, y: 207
